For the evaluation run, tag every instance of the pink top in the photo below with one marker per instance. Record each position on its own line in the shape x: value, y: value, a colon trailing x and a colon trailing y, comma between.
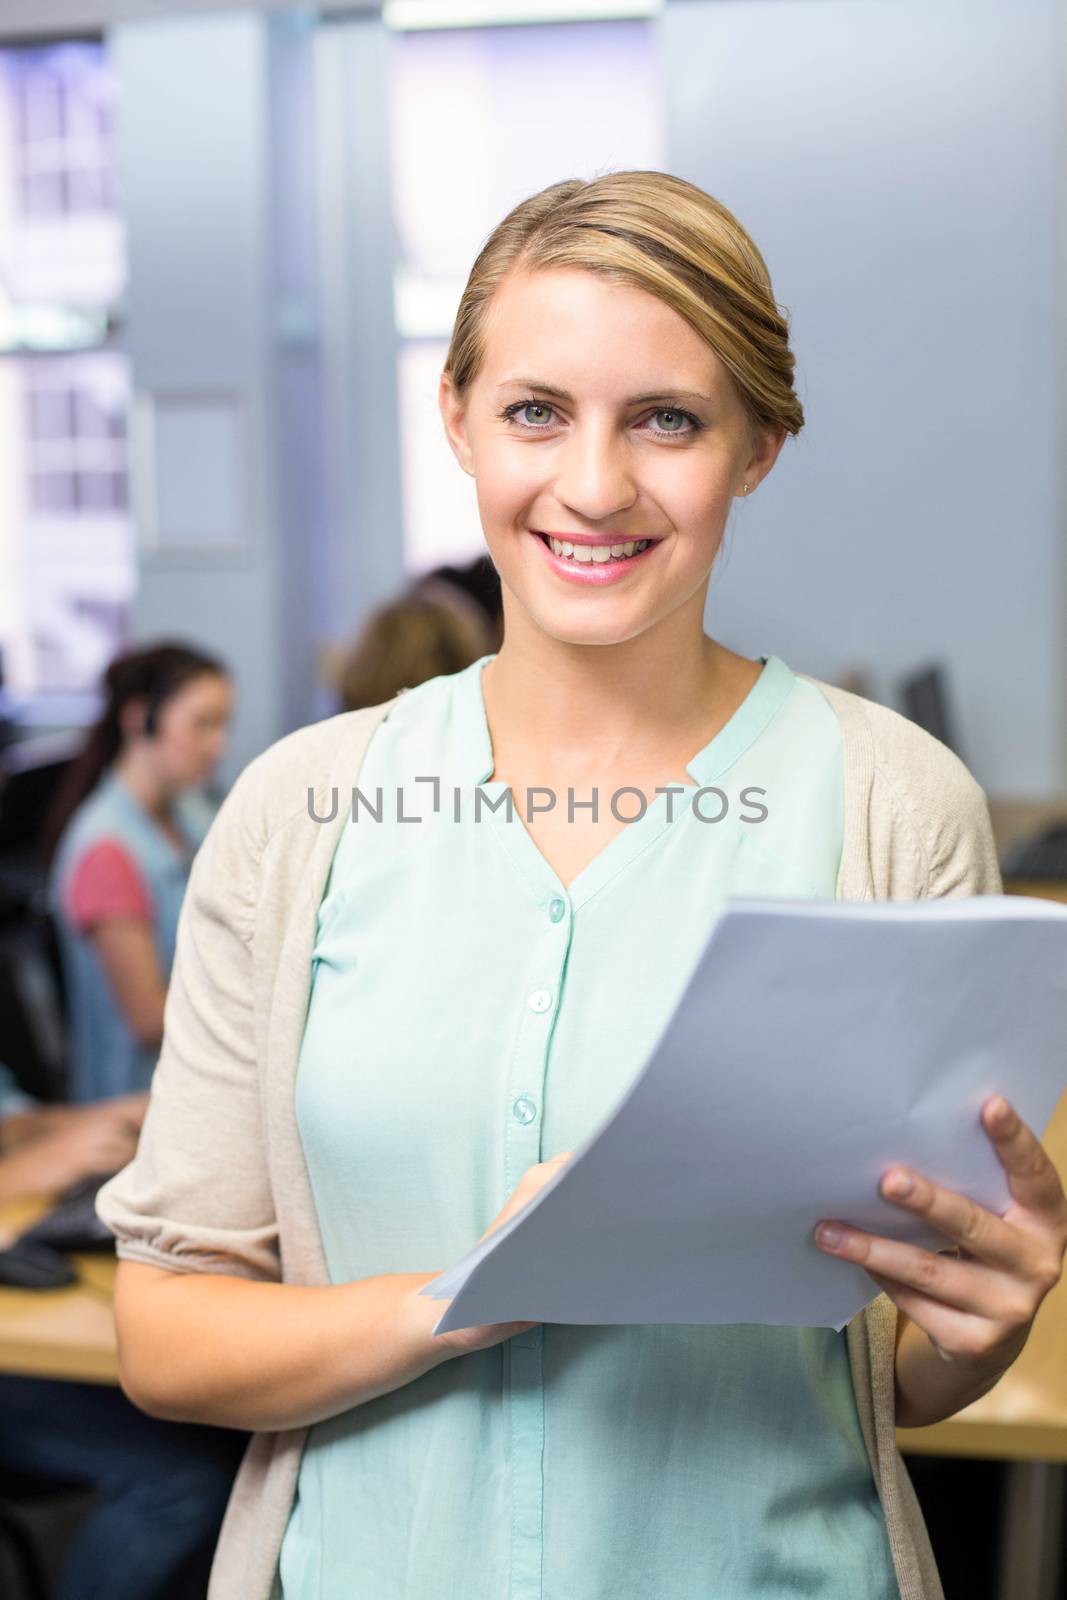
x: 106, y: 882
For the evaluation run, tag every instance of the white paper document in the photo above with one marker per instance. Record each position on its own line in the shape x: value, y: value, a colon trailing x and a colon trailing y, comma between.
x: 816, y: 1044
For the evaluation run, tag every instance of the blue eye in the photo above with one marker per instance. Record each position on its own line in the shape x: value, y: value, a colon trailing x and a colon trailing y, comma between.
x: 534, y: 405
x: 511, y: 414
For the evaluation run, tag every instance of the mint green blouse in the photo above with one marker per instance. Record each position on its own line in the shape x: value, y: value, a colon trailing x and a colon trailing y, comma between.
x: 502, y: 1016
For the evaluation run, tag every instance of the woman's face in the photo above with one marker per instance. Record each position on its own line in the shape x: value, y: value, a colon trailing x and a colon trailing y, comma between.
x: 599, y: 415
x: 191, y: 730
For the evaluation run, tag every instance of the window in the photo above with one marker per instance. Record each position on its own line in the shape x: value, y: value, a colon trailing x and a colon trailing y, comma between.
x: 62, y: 128
x: 67, y: 555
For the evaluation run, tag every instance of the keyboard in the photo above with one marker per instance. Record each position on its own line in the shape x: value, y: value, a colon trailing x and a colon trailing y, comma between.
x: 72, y: 1223
x: 1042, y: 857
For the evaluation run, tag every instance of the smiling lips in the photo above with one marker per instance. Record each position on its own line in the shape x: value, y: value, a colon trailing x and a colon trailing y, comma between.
x: 583, y: 558
x: 580, y: 551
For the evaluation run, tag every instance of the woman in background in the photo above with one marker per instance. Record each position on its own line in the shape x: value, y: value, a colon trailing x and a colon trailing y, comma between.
x: 436, y: 626
x: 118, y: 844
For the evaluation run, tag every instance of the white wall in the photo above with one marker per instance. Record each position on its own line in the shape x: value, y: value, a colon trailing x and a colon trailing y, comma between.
x: 898, y: 163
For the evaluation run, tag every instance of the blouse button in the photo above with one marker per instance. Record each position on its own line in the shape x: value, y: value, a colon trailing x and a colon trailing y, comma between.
x: 524, y: 1110
x: 556, y: 909
x: 540, y: 1000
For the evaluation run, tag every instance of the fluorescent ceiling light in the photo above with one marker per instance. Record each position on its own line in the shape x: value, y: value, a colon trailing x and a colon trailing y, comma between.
x: 412, y: 14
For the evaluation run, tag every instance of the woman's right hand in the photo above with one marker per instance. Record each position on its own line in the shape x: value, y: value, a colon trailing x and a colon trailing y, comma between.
x: 462, y: 1341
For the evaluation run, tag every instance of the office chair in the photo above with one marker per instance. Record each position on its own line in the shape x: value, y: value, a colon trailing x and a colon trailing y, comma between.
x: 33, y: 1033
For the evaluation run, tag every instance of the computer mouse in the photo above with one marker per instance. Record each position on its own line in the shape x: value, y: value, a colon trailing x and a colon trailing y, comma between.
x: 25, y: 1265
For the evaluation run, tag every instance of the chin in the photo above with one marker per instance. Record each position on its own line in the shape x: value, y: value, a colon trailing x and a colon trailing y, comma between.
x: 597, y: 633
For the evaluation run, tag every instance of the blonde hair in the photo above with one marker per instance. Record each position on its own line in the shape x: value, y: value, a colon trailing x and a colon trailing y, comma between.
x: 658, y: 233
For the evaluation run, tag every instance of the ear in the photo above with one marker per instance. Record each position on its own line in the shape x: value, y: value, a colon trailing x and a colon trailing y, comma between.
x: 132, y: 716
x: 766, y: 446
x: 454, y: 417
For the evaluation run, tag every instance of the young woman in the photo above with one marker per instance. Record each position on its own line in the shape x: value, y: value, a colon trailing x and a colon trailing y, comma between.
x: 384, y: 1037
x: 119, y: 842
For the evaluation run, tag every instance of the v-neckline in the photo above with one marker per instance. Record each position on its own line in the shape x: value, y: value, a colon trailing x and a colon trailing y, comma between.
x: 541, y: 879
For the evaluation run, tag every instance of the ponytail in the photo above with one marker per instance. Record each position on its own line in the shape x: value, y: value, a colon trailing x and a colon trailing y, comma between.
x: 154, y: 675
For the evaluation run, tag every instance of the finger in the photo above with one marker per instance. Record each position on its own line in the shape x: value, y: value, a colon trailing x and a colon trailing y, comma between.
x: 114, y: 1149
x: 943, y: 1326
x: 984, y: 1235
x: 107, y: 1120
x: 962, y: 1285
x: 1032, y: 1178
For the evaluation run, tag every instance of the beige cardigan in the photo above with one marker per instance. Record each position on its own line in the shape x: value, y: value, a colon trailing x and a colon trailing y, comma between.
x: 219, y: 1182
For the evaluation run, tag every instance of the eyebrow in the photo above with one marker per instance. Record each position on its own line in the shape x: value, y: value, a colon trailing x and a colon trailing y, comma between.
x: 634, y: 399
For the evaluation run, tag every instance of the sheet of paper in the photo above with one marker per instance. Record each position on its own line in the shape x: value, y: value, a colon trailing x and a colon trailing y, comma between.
x: 816, y: 1044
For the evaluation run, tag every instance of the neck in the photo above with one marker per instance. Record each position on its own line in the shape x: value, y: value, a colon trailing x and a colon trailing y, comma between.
x: 144, y: 782
x: 583, y: 709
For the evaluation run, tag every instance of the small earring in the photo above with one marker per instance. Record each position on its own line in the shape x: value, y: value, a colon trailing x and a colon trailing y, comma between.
x: 744, y: 489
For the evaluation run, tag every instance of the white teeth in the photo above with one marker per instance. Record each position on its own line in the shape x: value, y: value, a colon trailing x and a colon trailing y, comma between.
x: 598, y: 552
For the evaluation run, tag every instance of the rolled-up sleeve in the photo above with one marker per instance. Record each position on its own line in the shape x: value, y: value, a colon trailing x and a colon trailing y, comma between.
x: 197, y: 1196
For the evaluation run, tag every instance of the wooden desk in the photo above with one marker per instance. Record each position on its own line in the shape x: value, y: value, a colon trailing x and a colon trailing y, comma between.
x: 59, y: 1333
x: 1037, y: 887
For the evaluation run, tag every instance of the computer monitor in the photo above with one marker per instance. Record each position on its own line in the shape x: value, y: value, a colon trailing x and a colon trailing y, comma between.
x: 925, y: 699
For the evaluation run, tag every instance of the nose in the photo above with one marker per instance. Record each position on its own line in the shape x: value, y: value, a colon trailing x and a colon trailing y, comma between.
x: 594, y: 477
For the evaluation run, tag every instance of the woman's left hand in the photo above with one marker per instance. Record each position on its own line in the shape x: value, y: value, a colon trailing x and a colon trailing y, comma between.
x: 978, y: 1306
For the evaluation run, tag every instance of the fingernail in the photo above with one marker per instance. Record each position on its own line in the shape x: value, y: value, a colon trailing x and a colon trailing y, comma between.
x: 899, y: 1185
x: 998, y: 1109
x: 829, y: 1233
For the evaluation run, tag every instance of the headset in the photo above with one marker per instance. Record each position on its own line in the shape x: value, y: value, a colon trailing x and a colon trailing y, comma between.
x: 152, y: 710
x: 167, y: 681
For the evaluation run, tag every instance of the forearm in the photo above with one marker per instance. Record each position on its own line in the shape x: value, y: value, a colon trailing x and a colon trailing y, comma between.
x: 206, y: 1347
x: 23, y: 1127
x: 929, y: 1388
x: 23, y: 1176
